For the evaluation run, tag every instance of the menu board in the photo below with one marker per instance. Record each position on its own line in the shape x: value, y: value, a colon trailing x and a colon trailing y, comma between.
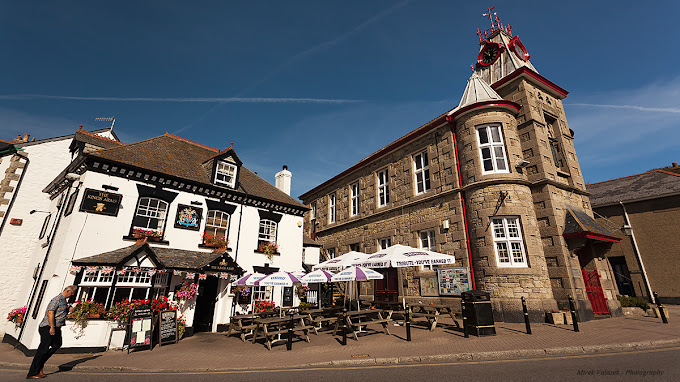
x: 140, y: 328
x: 453, y: 281
x: 167, y: 327
x: 428, y: 286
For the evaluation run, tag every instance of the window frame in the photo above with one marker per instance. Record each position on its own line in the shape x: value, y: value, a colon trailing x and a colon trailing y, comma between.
x: 267, y: 237
x: 382, y: 189
x: 332, y: 208
x: 46, y: 223
x: 161, y: 220
x: 354, y: 199
x: 215, y: 228
x: 225, y: 174
x: 432, y: 245
x: 312, y: 211
x: 423, y: 172
x: 387, y: 240
x: 508, y: 240
x: 491, y: 145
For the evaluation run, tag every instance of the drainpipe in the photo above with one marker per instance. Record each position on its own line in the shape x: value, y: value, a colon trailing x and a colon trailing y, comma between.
x: 462, y: 201
x: 637, y: 253
x: 16, y: 188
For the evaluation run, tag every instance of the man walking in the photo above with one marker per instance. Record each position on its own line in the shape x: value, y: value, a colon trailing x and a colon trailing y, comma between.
x: 50, y: 331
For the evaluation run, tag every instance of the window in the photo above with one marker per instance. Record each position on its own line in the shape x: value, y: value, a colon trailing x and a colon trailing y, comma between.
x: 383, y: 189
x: 384, y: 243
x: 262, y: 293
x: 354, y: 196
x: 507, y: 238
x: 355, y: 247
x: 46, y: 223
x: 312, y: 213
x: 421, y: 172
x: 426, y: 239
x: 150, y: 214
x: 267, y: 230
x: 225, y: 174
x: 216, y: 224
x: 330, y: 253
x: 331, y: 208
x: 492, y: 149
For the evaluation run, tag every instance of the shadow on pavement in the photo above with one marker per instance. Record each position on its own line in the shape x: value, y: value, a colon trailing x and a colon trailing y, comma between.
x: 68, y: 366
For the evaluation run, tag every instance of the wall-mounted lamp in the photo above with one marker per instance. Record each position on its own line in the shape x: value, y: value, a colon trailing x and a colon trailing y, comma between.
x: 522, y: 163
x: 34, y: 211
x: 627, y: 230
x: 445, y: 225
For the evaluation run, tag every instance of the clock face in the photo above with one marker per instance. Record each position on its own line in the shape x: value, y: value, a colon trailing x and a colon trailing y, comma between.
x: 489, y: 54
x: 518, y: 49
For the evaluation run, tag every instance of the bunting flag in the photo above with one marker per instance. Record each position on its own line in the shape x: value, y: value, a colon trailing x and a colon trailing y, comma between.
x: 232, y: 278
x: 175, y: 272
x: 202, y: 276
x: 120, y: 272
x: 224, y: 276
x: 107, y: 269
x: 161, y: 270
x: 212, y: 274
x: 74, y: 269
x: 91, y: 269
x: 190, y: 275
x: 152, y: 272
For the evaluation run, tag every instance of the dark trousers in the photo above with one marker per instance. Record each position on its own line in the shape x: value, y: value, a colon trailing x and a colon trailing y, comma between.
x: 48, y: 345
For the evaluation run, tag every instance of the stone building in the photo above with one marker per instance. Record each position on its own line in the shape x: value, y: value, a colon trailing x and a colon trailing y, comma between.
x: 495, y: 181
x: 646, y: 207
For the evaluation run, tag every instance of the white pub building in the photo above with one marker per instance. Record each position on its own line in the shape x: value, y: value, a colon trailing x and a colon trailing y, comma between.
x: 135, y: 221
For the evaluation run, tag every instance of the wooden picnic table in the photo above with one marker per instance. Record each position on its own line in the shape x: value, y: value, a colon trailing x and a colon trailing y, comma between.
x: 242, y: 324
x: 274, y: 326
x: 360, y: 318
x: 432, y: 313
x: 323, y: 315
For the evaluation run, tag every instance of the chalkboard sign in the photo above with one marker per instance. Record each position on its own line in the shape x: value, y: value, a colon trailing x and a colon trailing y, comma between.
x: 140, y: 329
x: 167, y: 327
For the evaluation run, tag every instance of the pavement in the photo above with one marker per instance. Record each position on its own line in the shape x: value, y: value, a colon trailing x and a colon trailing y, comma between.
x: 217, y: 352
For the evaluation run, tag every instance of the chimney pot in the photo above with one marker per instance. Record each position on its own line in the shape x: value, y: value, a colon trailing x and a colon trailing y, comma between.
x: 286, y: 167
x: 675, y: 164
x: 25, y: 139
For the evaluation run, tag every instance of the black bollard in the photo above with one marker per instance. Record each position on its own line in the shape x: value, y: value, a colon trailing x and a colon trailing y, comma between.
x: 574, y: 318
x: 344, y: 326
x: 662, y: 310
x: 289, y: 344
x: 407, y: 313
x: 526, y: 315
x: 462, y: 309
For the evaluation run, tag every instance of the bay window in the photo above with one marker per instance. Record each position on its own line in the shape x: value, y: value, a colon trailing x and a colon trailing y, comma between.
x: 508, y: 242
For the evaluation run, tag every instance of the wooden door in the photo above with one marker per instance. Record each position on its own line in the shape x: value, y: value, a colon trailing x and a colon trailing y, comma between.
x: 387, y: 289
x: 594, y: 291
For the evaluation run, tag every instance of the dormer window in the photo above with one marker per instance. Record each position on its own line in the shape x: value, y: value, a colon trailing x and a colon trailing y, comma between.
x: 225, y: 174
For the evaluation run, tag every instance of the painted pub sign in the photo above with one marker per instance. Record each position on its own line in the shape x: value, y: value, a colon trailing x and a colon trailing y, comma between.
x: 188, y: 217
x: 100, y: 202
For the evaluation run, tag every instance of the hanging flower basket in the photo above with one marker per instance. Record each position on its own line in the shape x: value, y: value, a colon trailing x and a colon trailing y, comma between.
x: 17, y: 316
x: 211, y: 240
x: 269, y: 248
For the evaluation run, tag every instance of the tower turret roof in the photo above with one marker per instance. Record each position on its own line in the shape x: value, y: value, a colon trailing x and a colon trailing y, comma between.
x: 477, y: 90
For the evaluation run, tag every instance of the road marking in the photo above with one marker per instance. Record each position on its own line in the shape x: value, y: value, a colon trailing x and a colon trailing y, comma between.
x: 345, y: 367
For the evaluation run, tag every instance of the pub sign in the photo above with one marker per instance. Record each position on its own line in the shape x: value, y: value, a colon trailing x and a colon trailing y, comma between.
x: 100, y: 202
x: 188, y: 217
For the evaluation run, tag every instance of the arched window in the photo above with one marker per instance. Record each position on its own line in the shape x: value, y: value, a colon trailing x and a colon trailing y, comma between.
x: 150, y: 214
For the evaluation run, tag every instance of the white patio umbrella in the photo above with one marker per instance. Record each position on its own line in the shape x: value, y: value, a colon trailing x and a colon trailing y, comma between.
x: 280, y: 278
x: 354, y: 273
x: 399, y: 255
x: 319, y: 276
x: 341, y: 262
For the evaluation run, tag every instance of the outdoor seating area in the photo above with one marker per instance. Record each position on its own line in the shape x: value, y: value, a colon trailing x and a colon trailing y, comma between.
x: 432, y: 313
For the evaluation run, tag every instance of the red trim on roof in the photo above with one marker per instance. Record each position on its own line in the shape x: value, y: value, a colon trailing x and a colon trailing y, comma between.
x: 530, y: 73
x: 666, y: 172
x: 490, y: 103
x: 2, y: 140
x: 592, y: 235
x: 192, y: 142
x: 399, y: 142
x: 80, y: 130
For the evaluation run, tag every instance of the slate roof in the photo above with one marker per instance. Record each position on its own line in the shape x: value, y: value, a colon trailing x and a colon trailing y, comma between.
x: 656, y: 183
x: 182, y: 158
x: 168, y: 257
x: 308, y: 242
x: 96, y: 140
x: 578, y: 221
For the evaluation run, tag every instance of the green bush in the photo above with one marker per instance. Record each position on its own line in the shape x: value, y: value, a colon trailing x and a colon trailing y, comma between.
x: 633, y: 301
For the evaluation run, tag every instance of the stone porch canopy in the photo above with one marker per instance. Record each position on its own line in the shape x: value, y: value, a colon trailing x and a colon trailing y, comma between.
x: 579, y: 225
x: 165, y: 258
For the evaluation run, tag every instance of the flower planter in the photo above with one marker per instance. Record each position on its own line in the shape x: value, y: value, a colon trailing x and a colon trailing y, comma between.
x: 567, y: 318
x: 556, y: 318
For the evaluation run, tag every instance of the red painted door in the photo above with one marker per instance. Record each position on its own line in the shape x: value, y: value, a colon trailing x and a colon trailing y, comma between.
x: 387, y: 288
x: 594, y: 291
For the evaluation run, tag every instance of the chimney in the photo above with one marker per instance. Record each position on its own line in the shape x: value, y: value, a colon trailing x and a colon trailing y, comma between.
x: 675, y: 164
x: 26, y: 136
x: 283, y: 180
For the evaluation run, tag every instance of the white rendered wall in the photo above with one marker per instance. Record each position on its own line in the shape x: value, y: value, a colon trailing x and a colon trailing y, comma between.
x: 19, y: 243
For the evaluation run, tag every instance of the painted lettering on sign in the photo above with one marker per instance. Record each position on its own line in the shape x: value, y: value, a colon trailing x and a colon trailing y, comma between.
x: 100, y: 202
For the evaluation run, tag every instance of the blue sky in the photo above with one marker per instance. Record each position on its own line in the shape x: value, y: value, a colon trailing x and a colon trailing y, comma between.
x: 320, y: 85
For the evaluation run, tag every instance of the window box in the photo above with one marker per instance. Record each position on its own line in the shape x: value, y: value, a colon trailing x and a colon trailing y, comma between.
x: 151, y: 235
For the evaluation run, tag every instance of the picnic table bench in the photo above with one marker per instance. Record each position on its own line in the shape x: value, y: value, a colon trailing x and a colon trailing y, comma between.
x: 243, y: 324
x: 272, y: 327
x: 432, y: 313
x: 318, y: 317
x: 357, y: 319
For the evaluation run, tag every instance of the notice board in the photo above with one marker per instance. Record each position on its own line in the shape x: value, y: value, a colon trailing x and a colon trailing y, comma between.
x: 140, y: 329
x: 453, y: 281
x: 167, y: 327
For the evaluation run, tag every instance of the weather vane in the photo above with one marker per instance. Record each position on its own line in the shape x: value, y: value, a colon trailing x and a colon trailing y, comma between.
x: 495, y: 25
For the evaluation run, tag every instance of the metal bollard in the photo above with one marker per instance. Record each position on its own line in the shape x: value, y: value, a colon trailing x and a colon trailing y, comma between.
x: 462, y: 309
x: 344, y: 326
x: 407, y: 313
x: 526, y: 315
x: 289, y: 344
x: 662, y: 310
x: 574, y: 318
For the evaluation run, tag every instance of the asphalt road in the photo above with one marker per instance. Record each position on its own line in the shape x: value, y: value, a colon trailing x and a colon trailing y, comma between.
x: 647, y: 365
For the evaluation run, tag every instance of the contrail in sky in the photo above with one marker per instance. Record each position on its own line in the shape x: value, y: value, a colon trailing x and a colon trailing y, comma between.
x: 639, y: 108
x: 182, y: 99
